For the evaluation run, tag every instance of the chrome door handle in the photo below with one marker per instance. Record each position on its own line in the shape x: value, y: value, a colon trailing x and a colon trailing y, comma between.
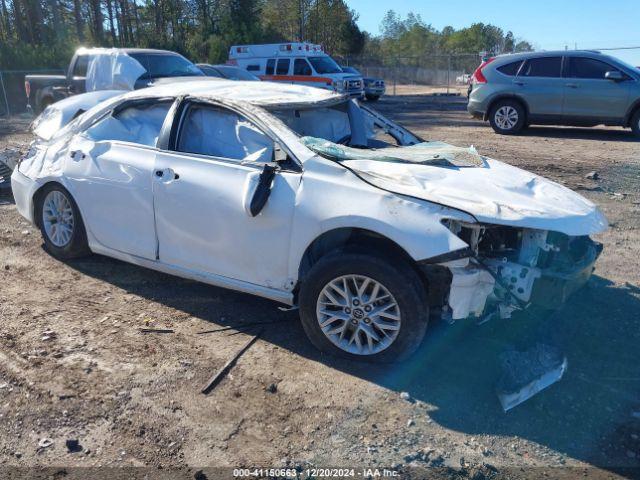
x: 571, y: 85
x: 167, y: 175
x: 521, y: 84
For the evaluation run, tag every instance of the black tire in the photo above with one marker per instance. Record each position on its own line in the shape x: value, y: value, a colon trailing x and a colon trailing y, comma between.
x: 373, y: 98
x: 77, y: 245
x: 506, y: 128
x: 396, y: 276
x: 635, y: 123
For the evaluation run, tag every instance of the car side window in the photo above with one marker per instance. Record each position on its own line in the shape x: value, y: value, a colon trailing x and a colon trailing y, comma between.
x: 583, y: 67
x: 283, y: 66
x: 138, y: 123
x: 80, y: 68
x: 301, y: 67
x: 542, y: 67
x: 510, y: 69
x: 217, y: 132
x: 271, y: 65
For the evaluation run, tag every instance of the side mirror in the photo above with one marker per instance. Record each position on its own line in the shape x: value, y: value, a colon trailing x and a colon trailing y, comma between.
x: 258, y: 189
x: 614, y: 75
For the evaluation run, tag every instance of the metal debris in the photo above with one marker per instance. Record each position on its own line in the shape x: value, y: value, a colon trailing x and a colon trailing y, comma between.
x: 213, y: 381
x: 156, y: 330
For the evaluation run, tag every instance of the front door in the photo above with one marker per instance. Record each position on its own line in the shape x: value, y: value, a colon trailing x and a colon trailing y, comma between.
x: 201, y: 192
x: 589, y: 95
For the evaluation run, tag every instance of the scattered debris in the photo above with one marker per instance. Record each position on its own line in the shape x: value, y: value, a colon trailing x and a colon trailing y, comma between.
x: 592, y: 175
x: 527, y: 373
x: 73, y: 445
x: 272, y: 388
x: 405, y: 396
x: 156, y: 330
x: 45, y: 443
x: 411, y: 422
x: 225, y: 369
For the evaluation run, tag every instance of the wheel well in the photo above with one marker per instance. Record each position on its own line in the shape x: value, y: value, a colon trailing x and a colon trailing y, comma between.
x: 353, y: 240
x: 635, y: 109
x: 507, y: 97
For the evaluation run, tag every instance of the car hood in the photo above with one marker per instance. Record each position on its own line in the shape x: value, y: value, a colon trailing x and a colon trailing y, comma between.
x: 492, y: 191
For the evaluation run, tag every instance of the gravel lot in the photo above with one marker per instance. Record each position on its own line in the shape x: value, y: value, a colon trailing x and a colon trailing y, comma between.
x: 74, y: 365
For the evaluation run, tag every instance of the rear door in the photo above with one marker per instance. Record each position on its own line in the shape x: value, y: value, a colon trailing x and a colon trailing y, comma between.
x: 110, y: 167
x: 589, y: 95
x: 541, y: 84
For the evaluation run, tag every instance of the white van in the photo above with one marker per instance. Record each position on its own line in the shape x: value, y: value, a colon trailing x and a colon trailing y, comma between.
x: 301, y: 63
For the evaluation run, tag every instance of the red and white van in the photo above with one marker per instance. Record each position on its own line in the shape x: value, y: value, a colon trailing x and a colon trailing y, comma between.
x: 301, y: 63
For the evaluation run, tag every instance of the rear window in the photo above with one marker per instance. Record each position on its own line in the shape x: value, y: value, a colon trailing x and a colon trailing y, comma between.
x: 283, y: 66
x: 542, y: 67
x: 271, y: 65
x: 510, y: 69
x: 159, y: 65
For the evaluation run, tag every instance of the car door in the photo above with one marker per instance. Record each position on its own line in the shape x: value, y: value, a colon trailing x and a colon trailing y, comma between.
x: 110, y: 168
x: 541, y: 85
x: 591, y: 96
x: 201, y: 194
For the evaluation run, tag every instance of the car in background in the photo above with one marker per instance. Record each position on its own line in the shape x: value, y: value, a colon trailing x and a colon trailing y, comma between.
x: 374, y: 88
x: 579, y: 88
x: 228, y: 72
x: 43, y: 90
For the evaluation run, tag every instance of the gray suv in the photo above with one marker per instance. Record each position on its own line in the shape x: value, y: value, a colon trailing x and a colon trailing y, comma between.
x: 581, y: 88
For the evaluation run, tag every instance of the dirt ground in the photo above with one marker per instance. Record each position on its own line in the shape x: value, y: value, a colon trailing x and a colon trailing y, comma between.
x: 74, y: 365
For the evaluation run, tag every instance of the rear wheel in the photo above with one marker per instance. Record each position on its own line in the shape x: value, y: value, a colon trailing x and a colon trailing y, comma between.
x: 635, y: 123
x: 507, y: 117
x: 362, y: 307
x: 60, y: 223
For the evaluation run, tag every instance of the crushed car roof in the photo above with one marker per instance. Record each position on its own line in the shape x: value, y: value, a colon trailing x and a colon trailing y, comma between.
x: 268, y: 93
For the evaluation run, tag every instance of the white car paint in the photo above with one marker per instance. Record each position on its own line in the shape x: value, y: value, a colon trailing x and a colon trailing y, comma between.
x: 198, y: 227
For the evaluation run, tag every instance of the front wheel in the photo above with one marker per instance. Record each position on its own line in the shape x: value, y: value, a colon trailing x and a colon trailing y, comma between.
x: 507, y: 117
x: 373, y: 98
x: 60, y: 223
x: 363, y: 307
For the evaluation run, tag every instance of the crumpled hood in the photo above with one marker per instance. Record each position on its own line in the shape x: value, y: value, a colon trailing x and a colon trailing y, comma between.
x: 494, y: 193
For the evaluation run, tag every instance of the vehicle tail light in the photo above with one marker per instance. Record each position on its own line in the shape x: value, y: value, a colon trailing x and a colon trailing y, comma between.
x: 478, y: 76
x: 27, y: 88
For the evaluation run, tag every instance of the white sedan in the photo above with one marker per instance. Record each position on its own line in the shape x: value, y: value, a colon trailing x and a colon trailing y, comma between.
x: 305, y: 197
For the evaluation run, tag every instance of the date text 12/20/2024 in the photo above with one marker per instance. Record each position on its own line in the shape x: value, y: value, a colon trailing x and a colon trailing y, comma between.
x: 314, y: 473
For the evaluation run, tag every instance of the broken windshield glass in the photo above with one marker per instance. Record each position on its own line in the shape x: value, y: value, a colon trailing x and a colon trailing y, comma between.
x: 427, y: 153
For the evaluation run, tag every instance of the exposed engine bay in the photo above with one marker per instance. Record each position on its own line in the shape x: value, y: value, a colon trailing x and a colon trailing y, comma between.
x: 509, y: 268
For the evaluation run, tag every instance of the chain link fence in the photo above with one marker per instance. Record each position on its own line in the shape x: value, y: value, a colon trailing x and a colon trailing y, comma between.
x: 444, y: 74
x: 13, y: 98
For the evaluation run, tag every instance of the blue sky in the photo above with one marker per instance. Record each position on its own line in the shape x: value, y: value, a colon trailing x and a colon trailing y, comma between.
x: 548, y: 25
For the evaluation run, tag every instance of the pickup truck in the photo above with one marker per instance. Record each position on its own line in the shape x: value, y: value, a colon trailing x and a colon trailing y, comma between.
x: 43, y: 90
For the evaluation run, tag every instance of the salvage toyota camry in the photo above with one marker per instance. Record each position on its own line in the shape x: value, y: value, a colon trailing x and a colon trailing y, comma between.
x: 305, y: 197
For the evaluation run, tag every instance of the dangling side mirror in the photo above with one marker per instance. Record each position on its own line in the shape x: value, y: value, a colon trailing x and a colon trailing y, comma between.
x: 258, y: 189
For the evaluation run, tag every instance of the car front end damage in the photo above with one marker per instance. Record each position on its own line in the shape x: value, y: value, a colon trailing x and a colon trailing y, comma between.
x: 508, y: 268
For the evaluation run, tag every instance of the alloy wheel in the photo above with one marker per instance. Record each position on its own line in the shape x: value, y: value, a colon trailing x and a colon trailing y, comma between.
x: 506, y: 117
x: 57, y: 218
x: 358, y: 314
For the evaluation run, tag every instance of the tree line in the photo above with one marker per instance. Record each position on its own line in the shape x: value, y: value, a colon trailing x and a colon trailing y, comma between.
x: 45, y: 33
